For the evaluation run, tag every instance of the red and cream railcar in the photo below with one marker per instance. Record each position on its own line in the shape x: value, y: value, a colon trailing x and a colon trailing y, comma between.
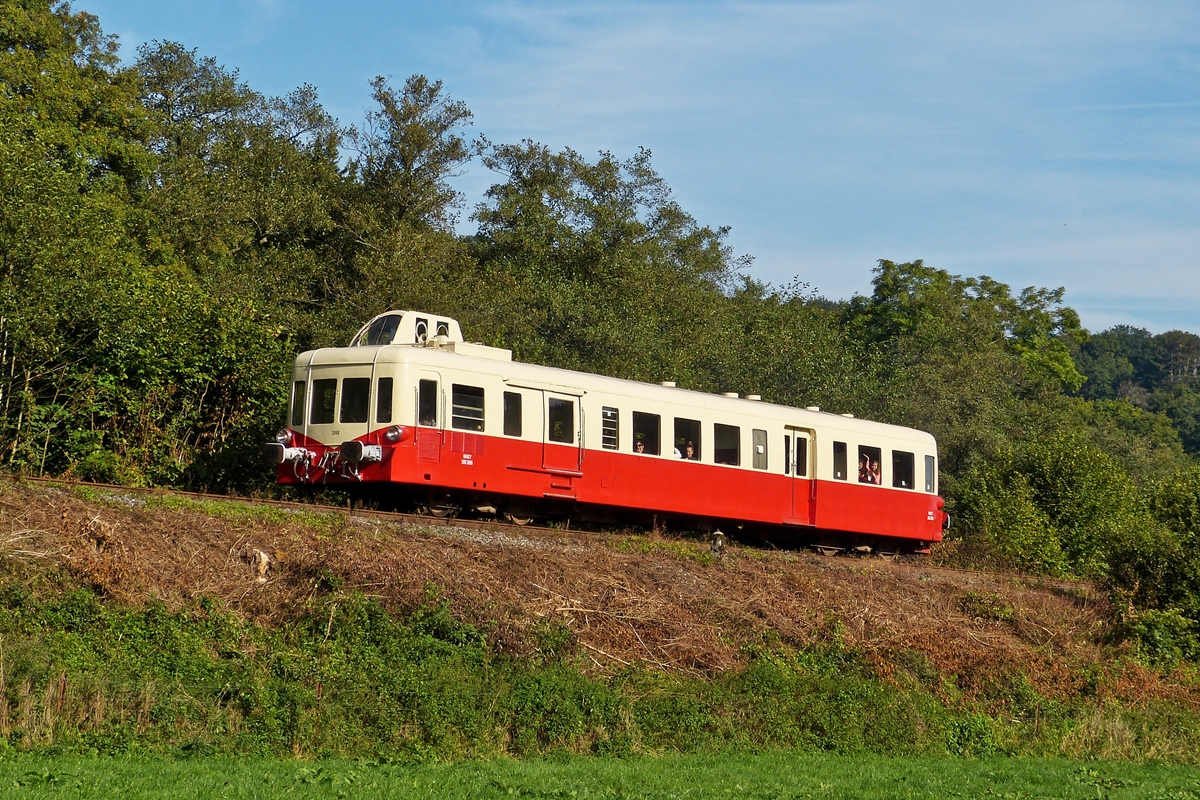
x: 410, y: 404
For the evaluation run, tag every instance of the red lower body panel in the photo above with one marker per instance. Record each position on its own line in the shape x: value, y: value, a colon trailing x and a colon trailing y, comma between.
x: 470, y: 462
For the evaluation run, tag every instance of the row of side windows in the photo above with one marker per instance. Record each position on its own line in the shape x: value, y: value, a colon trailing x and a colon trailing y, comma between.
x: 355, y: 398
x: 870, y: 468
x: 467, y: 413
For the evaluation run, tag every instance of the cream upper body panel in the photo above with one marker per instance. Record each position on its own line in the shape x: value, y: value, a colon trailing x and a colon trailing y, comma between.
x: 490, y: 369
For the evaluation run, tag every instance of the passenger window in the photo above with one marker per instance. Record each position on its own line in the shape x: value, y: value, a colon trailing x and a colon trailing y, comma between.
x: 427, y: 403
x: 930, y: 474
x: 787, y: 455
x: 687, y: 439
x: 869, y: 470
x: 324, y: 401
x: 759, y: 441
x: 562, y: 420
x: 297, y: 404
x: 609, y: 428
x: 903, y: 467
x: 839, y: 461
x: 646, y: 433
x: 466, y: 407
x: 801, y: 457
x: 356, y: 397
x: 727, y: 444
x: 512, y: 414
x: 383, y: 400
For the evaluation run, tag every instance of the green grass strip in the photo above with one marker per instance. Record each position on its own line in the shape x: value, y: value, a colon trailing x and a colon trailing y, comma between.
x: 772, y: 775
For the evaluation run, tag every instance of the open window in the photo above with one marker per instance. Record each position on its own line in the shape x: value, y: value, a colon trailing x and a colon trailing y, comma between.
x: 647, y: 430
x: 870, y: 470
x: 687, y: 439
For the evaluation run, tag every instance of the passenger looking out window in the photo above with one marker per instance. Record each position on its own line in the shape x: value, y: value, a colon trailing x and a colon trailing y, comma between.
x: 687, y: 434
x: 646, y: 433
x: 868, y: 465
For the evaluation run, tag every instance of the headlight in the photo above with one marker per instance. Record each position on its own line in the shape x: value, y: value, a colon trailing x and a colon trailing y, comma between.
x: 394, y: 434
x: 284, y: 437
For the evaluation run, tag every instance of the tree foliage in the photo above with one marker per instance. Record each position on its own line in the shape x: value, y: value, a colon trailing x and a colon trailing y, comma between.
x: 170, y: 238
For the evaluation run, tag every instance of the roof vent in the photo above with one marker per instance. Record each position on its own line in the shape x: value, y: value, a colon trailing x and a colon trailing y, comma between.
x: 812, y: 408
x: 848, y: 416
x: 669, y: 384
x: 729, y: 394
x: 754, y: 397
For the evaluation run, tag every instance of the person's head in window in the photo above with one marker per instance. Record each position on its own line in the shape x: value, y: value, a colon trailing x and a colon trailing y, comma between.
x: 639, y: 444
x: 689, y: 451
x: 864, y: 470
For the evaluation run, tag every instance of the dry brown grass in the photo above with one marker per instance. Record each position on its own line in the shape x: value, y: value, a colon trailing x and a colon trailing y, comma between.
x: 654, y: 601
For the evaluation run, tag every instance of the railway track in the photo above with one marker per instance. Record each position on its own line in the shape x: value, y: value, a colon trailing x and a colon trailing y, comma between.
x: 351, y: 510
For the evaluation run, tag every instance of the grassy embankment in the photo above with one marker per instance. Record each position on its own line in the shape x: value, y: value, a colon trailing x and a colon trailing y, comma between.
x: 146, y: 627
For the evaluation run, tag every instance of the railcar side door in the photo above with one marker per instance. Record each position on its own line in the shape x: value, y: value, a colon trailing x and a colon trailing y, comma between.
x: 562, y: 441
x: 801, y: 465
x: 429, y: 417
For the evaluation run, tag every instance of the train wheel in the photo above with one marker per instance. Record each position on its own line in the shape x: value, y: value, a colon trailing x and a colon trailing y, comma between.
x: 517, y: 519
x: 826, y: 550
x: 886, y: 556
x: 444, y: 512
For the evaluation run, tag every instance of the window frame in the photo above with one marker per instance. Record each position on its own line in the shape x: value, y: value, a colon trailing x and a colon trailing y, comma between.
x: 721, y: 455
x: 467, y: 416
x: 655, y: 429
x: 299, y: 395
x: 758, y: 440
x: 562, y: 404
x: 680, y: 442
x: 427, y: 401
x: 513, y: 413
x: 867, y: 450
x: 841, y: 461
x: 610, y: 428
x: 385, y: 390
x: 904, y: 463
x: 352, y: 391
x: 323, y: 393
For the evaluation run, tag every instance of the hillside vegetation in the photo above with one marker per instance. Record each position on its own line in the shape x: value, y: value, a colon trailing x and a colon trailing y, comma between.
x: 170, y: 238
x: 157, y: 625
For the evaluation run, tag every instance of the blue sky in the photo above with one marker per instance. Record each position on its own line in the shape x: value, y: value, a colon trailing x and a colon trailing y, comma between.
x: 1042, y: 143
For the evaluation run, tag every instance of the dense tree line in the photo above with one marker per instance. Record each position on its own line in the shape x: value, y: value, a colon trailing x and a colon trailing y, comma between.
x: 170, y: 238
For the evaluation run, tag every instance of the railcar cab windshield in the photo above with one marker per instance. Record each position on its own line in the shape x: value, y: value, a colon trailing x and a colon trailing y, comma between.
x: 407, y: 328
